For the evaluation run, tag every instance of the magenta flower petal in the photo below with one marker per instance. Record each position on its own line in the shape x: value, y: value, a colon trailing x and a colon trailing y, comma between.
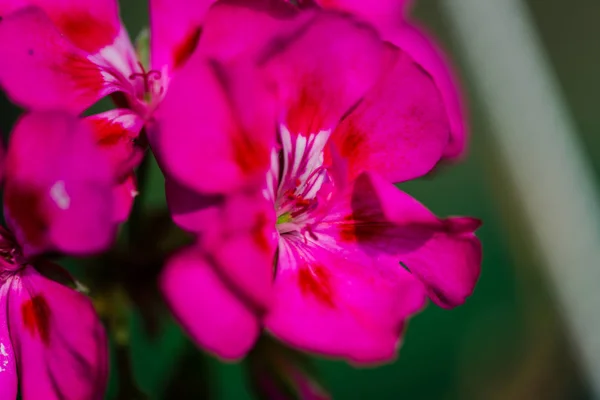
x: 426, y: 53
x: 41, y: 69
x: 317, y: 90
x: 214, y: 316
x: 124, y: 194
x: 192, y: 211
x: 58, y: 188
x: 89, y: 24
x: 336, y: 301
x: 176, y: 26
x: 245, y: 249
x: 115, y: 132
x: 400, y: 129
x: 213, y: 130
x: 388, y: 16
x: 225, y: 32
x: 239, y: 231
x: 57, y: 338
x: 443, y: 253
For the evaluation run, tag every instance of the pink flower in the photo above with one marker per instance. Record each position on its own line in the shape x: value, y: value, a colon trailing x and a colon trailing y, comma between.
x: 69, y: 54
x: 52, y: 345
x: 58, y: 186
x: 389, y: 17
x: 300, y: 229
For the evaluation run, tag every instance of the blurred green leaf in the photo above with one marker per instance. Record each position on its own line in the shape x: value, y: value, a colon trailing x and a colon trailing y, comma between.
x: 155, y: 357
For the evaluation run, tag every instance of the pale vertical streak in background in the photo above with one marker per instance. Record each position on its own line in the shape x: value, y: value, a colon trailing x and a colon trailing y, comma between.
x: 537, y: 142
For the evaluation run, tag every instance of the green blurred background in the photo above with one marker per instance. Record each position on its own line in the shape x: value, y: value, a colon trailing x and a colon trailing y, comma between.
x: 508, y: 341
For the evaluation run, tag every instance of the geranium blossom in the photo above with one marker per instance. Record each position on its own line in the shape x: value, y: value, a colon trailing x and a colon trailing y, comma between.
x: 300, y: 229
x: 69, y: 54
x: 52, y: 344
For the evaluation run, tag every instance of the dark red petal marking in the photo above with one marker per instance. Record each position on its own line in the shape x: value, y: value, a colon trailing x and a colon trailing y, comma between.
x: 26, y: 208
x: 86, y: 76
x: 36, y: 317
x: 86, y: 31
x: 315, y: 280
x: 186, y: 47
x: 367, y: 220
x: 108, y: 133
x: 353, y: 142
x: 306, y: 114
x: 355, y: 227
x: 250, y: 155
x: 347, y: 231
x: 259, y: 232
x: 83, y: 72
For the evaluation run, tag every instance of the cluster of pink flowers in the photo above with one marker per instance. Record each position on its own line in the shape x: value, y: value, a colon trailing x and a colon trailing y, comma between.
x: 281, y: 129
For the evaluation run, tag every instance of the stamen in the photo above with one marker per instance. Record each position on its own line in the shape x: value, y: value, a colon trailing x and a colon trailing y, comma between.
x: 147, y: 77
x: 303, y: 206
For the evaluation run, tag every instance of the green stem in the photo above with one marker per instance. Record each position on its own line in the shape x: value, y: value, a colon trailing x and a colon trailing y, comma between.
x: 128, y: 390
x: 135, y: 218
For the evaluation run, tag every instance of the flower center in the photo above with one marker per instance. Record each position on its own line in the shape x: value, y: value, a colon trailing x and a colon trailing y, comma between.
x: 299, y: 177
x: 294, y: 213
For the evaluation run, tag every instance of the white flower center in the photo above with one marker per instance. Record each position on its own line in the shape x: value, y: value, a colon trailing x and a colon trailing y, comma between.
x: 296, y: 178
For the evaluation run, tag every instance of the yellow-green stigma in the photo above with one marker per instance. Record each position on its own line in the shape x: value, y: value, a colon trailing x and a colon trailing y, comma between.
x: 283, y: 218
